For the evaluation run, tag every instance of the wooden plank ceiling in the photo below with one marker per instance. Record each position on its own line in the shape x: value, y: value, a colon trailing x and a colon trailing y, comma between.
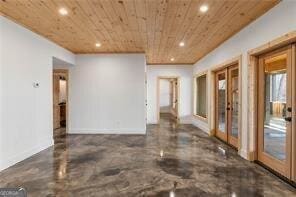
x: 155, y: 27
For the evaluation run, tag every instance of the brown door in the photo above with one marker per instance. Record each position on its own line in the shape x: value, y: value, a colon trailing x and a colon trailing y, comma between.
x: 233, y: 105
x: 221, y: 104
x: 56, y: 107
x: 275, y: 110
x: 227, y: 105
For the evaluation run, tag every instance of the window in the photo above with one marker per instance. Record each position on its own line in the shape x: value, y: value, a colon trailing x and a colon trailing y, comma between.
x: 201, y: 96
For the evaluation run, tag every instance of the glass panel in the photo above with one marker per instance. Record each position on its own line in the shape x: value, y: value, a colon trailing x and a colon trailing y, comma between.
x: 201, y: 96
x: 235, y: 99
x: 275, y: 106
x: 221, y: 102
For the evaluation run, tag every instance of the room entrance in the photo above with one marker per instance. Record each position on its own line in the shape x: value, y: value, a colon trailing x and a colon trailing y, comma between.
x: 168, y: 98
x: 276, y: 110
x: 60, y: 102
x: 227, y: 104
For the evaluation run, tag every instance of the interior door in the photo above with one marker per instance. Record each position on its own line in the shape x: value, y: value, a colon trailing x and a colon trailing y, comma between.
x: 274, y: 110
x: 56, y: 107
x: 233, y: 105
x: 221, y: 104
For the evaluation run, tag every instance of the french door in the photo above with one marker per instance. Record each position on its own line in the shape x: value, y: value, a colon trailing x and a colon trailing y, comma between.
x: 276, y: 103
x: 227, y: 105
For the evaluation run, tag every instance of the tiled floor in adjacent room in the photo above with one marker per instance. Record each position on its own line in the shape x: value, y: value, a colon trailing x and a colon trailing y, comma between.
x: 169, y: 161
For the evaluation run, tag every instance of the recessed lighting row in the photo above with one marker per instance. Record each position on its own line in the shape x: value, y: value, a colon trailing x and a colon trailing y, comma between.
x: 63, y: 11
x: 204, y: 8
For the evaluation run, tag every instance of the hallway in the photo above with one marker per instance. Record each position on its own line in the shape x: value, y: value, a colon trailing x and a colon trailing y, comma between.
x: 171, y: 158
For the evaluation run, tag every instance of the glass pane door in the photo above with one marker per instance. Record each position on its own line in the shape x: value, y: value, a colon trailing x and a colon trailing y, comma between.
x: 233, y: 105
x: 221, y: 103
x: 274, y: 110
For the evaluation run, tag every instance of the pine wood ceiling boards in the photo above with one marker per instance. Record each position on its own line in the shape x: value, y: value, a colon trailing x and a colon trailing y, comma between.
x: 155, y: 27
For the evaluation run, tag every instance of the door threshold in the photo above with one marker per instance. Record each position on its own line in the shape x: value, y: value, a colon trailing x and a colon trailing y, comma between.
x: 231, y: 146
x: 278, y: 175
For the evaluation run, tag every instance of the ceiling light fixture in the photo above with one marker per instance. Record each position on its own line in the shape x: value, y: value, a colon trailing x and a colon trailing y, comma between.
x: 172, y: 59
x: 63, y: 11
x: 204, y: 8
x: 181, y: 44
x: 98, y: 44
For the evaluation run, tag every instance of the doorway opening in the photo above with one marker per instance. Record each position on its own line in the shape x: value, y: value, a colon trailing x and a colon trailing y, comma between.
x: 168, y: 98
x: 227, y: 104
x: 60, y: 103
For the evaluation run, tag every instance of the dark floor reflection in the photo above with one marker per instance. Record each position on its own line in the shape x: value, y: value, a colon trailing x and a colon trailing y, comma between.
x: 171, y: 160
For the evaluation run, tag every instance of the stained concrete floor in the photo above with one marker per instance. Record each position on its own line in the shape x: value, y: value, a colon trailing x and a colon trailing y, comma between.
x: 171, y: 160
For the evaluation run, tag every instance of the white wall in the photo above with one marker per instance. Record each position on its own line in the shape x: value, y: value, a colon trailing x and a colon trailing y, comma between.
x: 107, y: 94
x: 26, y: 112
x: 185, y: 102
x: 164, y: 95
x: 275, y: 23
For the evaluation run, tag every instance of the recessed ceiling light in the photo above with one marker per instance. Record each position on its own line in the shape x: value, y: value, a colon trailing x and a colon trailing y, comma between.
x: 63, y: 11
x: 181, y: 44
x: 98, y: 44
x: 204, y: 8
x: 172, y: 59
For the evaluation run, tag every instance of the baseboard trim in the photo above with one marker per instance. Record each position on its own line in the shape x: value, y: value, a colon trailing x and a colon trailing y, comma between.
x: 243, y: 154
x: 185, y: 121
x: 251, y: 156
x: 109, y: 131
x: 203, y: 128
x: 42, y: 145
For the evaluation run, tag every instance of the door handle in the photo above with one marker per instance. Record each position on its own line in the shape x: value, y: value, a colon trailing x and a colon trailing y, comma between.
x: 288, y: 119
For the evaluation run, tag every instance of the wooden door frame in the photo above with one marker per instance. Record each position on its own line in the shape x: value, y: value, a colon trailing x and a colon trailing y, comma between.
x: 66, y: 73
x: 274, y: 163
x: 212, y: 76
x: 158, y: 94
x: 253, y: 56
x: 194, y: 96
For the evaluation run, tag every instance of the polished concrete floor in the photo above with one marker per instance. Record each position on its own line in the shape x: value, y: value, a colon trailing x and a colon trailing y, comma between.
x: 169, y: 161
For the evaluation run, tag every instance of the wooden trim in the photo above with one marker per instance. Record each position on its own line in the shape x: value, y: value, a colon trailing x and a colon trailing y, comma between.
x: 66, y: 73
x: 200, y: 118
x: 293, y: 164
x: 251, y: 156
x: 194, y: 94
x: 158, y: 94
x: 252, y: 108
x: 284, y: 40
x: 212, y: 132
x: 227, y: 63
x: 200, y: 74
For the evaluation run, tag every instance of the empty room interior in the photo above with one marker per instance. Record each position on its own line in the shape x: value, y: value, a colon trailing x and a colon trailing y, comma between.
x: 148, y: 98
